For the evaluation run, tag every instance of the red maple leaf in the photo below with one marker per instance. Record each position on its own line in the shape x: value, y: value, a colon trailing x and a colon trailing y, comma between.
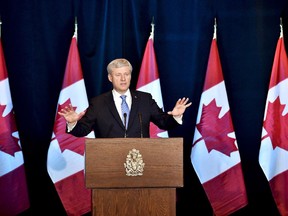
x: 65, y: 140
x: 215, y: 130
x: 8, y: 143
x: 276, y: 124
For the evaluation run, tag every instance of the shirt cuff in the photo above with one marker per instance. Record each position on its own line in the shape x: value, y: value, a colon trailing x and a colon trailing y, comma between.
x: 70, y: 126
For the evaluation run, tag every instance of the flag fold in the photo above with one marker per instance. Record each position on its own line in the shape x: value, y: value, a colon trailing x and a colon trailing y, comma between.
x: 273, y: 154
x: 14, y: 197
x: 66, y: 153
x: 149, y: 81
x: 215, y: 155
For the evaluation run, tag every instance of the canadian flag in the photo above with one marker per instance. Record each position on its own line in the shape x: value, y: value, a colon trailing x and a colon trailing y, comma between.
x: 215, y: 155
x: 13, y: 187
x: 148, y: 81
x: 273, y: 155
x: 65, y: 160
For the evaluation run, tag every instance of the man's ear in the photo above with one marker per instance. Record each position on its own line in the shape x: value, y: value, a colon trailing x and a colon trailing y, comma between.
x: 110, y: 77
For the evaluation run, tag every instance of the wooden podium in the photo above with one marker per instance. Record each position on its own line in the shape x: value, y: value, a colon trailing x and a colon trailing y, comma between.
x: 134, y: 176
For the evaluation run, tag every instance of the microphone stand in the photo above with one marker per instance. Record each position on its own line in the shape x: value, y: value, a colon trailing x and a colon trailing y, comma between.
x: 125, y: 124
x: 141, y: 127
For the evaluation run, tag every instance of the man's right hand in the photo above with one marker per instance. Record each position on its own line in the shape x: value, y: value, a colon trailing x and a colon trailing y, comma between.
x: 70, y: 115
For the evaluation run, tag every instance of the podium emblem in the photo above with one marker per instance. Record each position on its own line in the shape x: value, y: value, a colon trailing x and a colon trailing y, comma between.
x: 134, y: 165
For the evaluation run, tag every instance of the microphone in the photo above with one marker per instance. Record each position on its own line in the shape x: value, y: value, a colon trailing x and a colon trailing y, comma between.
x: 125, y: 124
x: 140, y: 121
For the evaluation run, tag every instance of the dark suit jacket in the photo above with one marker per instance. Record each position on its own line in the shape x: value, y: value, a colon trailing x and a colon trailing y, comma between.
x: 102, y: 117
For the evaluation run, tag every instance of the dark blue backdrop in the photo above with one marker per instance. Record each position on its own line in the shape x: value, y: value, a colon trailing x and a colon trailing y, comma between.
x: 36, y: 36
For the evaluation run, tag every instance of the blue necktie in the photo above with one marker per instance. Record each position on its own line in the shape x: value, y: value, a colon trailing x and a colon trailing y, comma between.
x: 125, y: 109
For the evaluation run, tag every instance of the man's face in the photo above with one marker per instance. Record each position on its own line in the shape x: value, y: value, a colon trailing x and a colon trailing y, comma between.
x: 120, y: 78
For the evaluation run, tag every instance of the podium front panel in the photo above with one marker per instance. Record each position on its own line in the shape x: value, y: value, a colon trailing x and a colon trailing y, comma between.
x: 105, y: 160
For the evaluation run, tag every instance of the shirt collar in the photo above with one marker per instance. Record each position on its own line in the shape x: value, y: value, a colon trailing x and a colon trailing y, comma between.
x: 117, y: 95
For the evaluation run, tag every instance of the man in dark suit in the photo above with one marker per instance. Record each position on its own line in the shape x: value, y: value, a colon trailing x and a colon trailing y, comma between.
x: 105, y: 115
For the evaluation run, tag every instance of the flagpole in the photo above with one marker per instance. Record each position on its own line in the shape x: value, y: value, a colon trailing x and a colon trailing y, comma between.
x: 66, y: 147
x: 270, y: 158
x: 210, y: 167
x: 148, y: 80
x: 14, y: 198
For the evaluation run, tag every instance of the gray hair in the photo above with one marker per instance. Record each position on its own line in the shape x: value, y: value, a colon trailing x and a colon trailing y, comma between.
x: 118, y: 63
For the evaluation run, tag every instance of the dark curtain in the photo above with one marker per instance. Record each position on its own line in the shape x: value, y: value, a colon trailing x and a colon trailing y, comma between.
x: 36, y: 35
